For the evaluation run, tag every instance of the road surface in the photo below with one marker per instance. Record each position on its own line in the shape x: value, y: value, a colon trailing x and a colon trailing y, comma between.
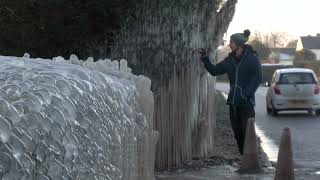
x: 305, y: 132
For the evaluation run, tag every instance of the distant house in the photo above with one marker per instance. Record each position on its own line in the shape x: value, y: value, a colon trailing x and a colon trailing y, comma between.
x: 284, y: 55
x: 311, y: 43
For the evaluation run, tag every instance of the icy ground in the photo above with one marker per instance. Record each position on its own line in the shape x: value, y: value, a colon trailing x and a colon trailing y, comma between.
x: 69, y: 119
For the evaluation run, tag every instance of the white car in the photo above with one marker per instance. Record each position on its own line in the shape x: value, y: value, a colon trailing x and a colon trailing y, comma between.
x: 293, y: 89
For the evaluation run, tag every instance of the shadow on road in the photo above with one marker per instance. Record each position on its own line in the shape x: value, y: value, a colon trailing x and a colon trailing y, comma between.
x: 296, y: 115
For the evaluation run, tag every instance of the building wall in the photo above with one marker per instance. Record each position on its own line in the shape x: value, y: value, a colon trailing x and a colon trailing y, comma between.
x: 283, y: 56
x: 300, y: 47
x: 285, y: 62
x: 285, y: 59
x: 316, y: 52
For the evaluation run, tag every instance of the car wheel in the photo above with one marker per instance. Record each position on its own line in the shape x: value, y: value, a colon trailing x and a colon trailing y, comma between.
x: 274, y: 112
x: 318, y: 112
x: 269, y: 110
x: 310, y: 112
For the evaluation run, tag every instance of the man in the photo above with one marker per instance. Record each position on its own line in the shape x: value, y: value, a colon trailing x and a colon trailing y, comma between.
x: 243, y: 68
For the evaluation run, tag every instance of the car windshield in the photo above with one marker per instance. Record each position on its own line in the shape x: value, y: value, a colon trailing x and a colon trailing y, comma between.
x: 297, y: 78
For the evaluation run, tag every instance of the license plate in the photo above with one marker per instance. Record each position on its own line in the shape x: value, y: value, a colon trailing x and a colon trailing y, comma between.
x: 297, y: 103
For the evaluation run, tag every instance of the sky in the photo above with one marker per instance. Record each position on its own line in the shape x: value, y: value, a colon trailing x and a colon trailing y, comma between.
x: 296, y: 17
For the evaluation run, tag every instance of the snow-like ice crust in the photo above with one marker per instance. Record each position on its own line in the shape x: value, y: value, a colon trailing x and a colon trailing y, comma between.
x: 74, y: 119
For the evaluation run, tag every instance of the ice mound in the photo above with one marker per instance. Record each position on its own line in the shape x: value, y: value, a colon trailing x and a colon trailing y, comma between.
x: 74, y: 119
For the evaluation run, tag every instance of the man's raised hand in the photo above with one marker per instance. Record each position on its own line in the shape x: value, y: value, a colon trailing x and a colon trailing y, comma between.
x: 202, y: 52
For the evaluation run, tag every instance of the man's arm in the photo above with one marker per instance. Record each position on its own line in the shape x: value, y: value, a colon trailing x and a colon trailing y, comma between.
x: 214, y: 70
x: 256, y: 78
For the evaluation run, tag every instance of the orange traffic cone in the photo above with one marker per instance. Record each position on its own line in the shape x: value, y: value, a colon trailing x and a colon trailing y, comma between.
x: 284, y: 169
x: 250, y: 158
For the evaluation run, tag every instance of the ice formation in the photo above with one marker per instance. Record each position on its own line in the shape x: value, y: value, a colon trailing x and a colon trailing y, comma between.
x: 74, y: 119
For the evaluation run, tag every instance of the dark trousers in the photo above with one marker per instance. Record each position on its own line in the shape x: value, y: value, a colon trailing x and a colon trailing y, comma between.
x: 239, y: 116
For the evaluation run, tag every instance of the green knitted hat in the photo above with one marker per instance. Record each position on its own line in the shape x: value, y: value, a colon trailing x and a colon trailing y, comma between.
x: 240, y: 38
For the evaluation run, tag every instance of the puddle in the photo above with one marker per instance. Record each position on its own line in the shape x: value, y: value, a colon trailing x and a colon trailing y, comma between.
x: 269, y: 147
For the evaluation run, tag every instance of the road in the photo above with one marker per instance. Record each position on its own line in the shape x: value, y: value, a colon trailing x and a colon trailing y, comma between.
x: 305, y: 132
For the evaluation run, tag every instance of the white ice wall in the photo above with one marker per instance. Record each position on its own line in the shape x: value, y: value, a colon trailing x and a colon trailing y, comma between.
x: 160, y: 41
x: 69, y: 119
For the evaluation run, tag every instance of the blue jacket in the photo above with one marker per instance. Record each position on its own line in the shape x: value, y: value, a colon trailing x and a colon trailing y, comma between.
x: 244, y: 75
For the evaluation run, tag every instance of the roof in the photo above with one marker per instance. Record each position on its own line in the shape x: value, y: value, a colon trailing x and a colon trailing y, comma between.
x: 290, y: 51
x: 293, y: 70
x: 311, y: 42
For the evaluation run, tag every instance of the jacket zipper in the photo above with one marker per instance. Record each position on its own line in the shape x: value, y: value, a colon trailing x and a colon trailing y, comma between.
x: 237, y: 69
x: 235, y: 86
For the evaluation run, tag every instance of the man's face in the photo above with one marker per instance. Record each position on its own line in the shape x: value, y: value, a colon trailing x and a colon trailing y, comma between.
x: 233, y: 46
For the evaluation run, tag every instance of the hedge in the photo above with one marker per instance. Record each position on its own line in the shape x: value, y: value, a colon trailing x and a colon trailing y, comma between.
x: 314, y: 65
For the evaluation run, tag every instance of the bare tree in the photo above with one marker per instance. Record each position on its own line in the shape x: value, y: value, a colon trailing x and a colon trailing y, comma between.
x: 278, y: 39
x: 292, y: 44
x: 261, y: 49
x: 273, y: 39
x: 258, y: 36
